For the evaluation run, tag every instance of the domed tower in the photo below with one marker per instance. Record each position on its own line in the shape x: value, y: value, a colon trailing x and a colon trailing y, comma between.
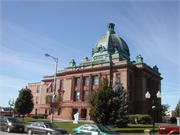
x: 111, y: 47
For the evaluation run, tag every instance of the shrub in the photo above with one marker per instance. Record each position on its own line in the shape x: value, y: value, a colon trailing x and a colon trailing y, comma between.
x: 132, y: 122
x: 139, y: 118
x: 29, y: 115
x: 45, y: 116
x: 173, y: 120
x: 34, y: 116
x: 42, y: 116
x: 142, y: 122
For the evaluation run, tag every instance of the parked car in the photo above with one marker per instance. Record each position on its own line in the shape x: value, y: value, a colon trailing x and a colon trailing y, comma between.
x: 168, y: 130
x: 92, y: 129
x: 44, y: 128
x: 11, y: 124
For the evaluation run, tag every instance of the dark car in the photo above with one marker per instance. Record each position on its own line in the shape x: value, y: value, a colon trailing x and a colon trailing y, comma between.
x: 92, y: 129
x: 44, y: 128
x: 11, y: 124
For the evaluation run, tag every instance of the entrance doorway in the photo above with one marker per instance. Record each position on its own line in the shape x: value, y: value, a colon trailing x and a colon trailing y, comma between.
x: 83, y: 114
x: 74, y: 112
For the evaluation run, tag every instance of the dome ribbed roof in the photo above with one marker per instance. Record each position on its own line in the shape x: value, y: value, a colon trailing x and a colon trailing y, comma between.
x: 112, y: 43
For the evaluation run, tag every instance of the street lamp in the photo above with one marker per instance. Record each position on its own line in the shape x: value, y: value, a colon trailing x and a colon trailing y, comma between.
x: 54, y: 87
x: 148, y: 96
x: 11, y: 104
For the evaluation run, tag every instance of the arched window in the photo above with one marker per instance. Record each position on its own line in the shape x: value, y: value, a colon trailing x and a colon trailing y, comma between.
x: 100, y: 49
x: 115, y: 48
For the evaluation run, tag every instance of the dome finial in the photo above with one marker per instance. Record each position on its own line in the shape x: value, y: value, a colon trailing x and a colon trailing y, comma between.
x: 111, y: 19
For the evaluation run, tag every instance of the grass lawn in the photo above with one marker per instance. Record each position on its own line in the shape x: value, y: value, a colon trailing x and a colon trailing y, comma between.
x: 130, y: 129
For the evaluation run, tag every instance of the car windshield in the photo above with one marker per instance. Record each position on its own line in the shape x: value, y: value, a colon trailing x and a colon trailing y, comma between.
x: 13, y: 120
x: 103, y: 128
x: 50, y: 125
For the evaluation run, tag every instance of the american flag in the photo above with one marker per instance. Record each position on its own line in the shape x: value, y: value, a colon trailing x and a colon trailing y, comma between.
x: 43, y: 83
x: 50, y: 84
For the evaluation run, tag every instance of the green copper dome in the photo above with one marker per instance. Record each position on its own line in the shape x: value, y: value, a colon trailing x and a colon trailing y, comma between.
x: 111, y: 45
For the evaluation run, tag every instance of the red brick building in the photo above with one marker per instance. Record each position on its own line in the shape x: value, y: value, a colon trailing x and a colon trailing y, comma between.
x: 110, y: 56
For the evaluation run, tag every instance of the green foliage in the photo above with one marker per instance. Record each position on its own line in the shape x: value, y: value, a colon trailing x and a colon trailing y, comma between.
x: 142, y: 122
x: 34, y: 116
x: 139, y: 118
x: 24, y: 103
x: 42, y: 116
x: 108, y: 105
x: 39, y: 116
x: 177, y: 109
x: 165, y: 108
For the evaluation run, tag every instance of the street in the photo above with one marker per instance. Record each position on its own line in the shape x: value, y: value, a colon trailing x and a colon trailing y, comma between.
x: 5, y: 133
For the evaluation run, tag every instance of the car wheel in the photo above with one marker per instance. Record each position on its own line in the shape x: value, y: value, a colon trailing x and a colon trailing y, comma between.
x: 8, y: 129
x: 29, y: 132
x: 48, y: 133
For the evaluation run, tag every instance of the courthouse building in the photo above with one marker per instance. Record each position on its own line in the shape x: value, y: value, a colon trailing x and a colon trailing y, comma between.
x: 111, y: 57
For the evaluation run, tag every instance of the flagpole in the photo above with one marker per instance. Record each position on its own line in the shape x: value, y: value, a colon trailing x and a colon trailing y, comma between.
x: 54, y: 87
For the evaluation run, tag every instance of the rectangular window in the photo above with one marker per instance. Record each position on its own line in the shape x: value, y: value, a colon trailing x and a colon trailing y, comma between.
x: 36, y: 112
x: 95, y: 80
x: 37, y: 100
x: 118, y: 76
x: 130, y: 98
x: 48, y: 99
x: 130, y: 79
x: 45, y: 111
x: 77, y: 95
x: 48, y: 90
x: 94, y: 91
x: 61, y: 84
x: 38, y: 89
x: 49, y: 111
x: 51, y: 88
x: 59, y: 112
x: 85, y: 94
x: 77, y: 82
x: 86, y: 81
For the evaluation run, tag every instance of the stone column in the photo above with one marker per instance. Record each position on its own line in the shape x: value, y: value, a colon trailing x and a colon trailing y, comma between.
x: 81, y: 87
x: 72, y: 88
x: 90, y: 83
x: 178, y: 121
x: 147, y: 132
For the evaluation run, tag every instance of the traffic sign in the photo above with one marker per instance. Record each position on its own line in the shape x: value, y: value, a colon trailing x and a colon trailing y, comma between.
x: 54, y: 105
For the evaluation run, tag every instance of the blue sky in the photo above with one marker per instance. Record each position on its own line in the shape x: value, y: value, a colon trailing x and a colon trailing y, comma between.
x: 69, y: 30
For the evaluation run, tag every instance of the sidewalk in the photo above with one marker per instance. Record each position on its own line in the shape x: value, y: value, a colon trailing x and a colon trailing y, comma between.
x: 62, y: 120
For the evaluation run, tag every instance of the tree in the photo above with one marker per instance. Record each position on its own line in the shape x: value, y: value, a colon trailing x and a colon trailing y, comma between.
x: 24, y: 103
x: 58, y: 100
x: 165, y: 108
x: 121, y: 104
x: 177, y: 109
x: 108, y: 105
